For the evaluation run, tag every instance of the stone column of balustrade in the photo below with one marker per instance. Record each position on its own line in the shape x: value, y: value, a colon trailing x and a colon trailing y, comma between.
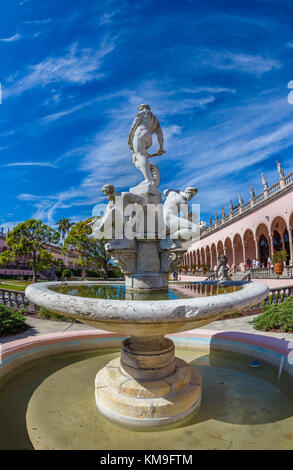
x: 291, y: 244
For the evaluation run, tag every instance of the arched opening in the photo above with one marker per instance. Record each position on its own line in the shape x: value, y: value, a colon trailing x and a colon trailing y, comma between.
x: 229, y: 252
x: 220, y: 248
x: 278, y: 228
x: 214, y: 257
x: 264, y: 250
x: 208, y: 257
x: 287, y: 246
x: 250, y: 250
x: 277, y: 241
x: 198, y: 258
x: 202, y: 256
x: 238, y: 253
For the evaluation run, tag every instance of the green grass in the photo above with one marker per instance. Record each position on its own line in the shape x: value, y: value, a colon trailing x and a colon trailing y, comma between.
x: 13, y: 287
x: 47, y: 315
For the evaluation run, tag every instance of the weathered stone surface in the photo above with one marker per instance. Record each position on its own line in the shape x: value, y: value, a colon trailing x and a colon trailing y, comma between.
x: 148, y: 403
x: 138, y: 317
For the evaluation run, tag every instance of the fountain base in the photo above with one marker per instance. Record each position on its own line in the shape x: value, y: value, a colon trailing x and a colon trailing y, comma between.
x: 148, y: 386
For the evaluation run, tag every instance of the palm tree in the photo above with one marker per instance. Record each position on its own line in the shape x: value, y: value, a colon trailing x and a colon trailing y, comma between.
x: 63, y: 227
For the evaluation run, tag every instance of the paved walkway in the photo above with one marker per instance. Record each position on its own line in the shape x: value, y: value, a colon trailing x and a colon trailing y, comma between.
x: 41, y: 327
x: 271, y: 283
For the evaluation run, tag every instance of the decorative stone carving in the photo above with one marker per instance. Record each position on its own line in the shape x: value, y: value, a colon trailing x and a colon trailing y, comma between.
x: 252, y: 193
x: 111, y: 225
x: 170, y: 259
x: 140, y: 139
x: 222, y: 268
x: 280, y: 170
x: 179, y: 228
x: 264, y: 182
x: 125, y: 259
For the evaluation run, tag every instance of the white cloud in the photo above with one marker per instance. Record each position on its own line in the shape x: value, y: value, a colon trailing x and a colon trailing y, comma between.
x: 77, y: 66
x: 228, y: 60
x: 14, y: 38
x: 44, y: 21
x: 31, y: 164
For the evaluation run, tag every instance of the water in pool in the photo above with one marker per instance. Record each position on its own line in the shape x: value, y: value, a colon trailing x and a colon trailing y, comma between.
x: 50, y: 405
x: 118, y: 292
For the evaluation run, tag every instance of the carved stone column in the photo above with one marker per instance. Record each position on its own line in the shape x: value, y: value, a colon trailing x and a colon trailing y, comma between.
x: 234, y: 258
x: 257, y: 248
x: 271, y: 245
x: 244, y: 256
x: 291, y: 244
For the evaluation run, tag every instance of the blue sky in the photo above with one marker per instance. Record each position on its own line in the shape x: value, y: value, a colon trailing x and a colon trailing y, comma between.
x: 73, y: 72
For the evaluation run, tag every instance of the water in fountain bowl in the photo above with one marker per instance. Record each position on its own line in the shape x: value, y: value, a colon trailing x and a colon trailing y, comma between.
x: 175, y: 291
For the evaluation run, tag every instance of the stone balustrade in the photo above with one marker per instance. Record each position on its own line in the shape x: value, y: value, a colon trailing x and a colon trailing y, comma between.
x: 277, y: 295
x: 240, y: 209
x: 268, y: 273
x: 17, y: 300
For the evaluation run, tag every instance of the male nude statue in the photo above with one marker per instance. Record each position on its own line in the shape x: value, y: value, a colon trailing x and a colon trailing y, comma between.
x: 114, y: 214
x: 181, y: 228
x: 140, y: 139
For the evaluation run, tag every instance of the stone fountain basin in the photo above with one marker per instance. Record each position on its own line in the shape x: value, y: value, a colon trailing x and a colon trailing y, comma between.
x: 141, y: 318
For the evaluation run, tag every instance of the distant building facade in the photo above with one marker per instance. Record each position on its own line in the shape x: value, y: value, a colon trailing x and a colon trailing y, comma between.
x: 21, y: 267
x: 251, y: 230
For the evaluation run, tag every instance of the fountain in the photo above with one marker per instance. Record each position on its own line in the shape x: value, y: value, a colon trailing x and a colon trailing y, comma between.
x: 148, y: 386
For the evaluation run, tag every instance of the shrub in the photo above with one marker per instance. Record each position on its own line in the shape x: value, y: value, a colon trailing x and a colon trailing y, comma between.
x: 276, y: 317
x: 11, y: 321
x: 47, y: 315
x: 66, y: 274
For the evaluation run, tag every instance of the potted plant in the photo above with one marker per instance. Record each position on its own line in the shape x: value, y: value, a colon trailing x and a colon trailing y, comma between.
x: 193, y: 268
x: 204, y: 268
x: 278, y: 260
x: 179, y: 267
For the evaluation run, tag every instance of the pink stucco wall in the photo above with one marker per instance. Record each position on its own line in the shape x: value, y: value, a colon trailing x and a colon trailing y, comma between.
x: 274, y: 214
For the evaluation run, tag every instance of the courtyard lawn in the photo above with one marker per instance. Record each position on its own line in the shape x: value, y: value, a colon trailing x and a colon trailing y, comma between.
x: 14, y: 284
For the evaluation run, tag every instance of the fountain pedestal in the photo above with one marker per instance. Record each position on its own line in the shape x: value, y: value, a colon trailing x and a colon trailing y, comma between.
x: 148, y: 386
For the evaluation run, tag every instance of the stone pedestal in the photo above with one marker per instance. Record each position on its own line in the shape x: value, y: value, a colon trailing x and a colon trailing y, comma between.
x: 148, y: 386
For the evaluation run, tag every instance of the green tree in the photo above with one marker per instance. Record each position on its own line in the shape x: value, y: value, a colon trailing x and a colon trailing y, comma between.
x: 29, y: 239
x: 59, y: 267
x: 90, y: 253
x: 64, y: 226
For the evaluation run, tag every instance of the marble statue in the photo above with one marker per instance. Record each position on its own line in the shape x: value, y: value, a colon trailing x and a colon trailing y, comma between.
x: 252, y: 193
x: 231, y: 206
x: 210, y: 221
x: 280, y: 170
x: 140, y: 139
x: 179, y: 228
x: 202, y: 225
x: 223, y: 212
x: 111, y: 225
x: 222, y: 268
x: 264, y: 182
x: 240, y: 200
